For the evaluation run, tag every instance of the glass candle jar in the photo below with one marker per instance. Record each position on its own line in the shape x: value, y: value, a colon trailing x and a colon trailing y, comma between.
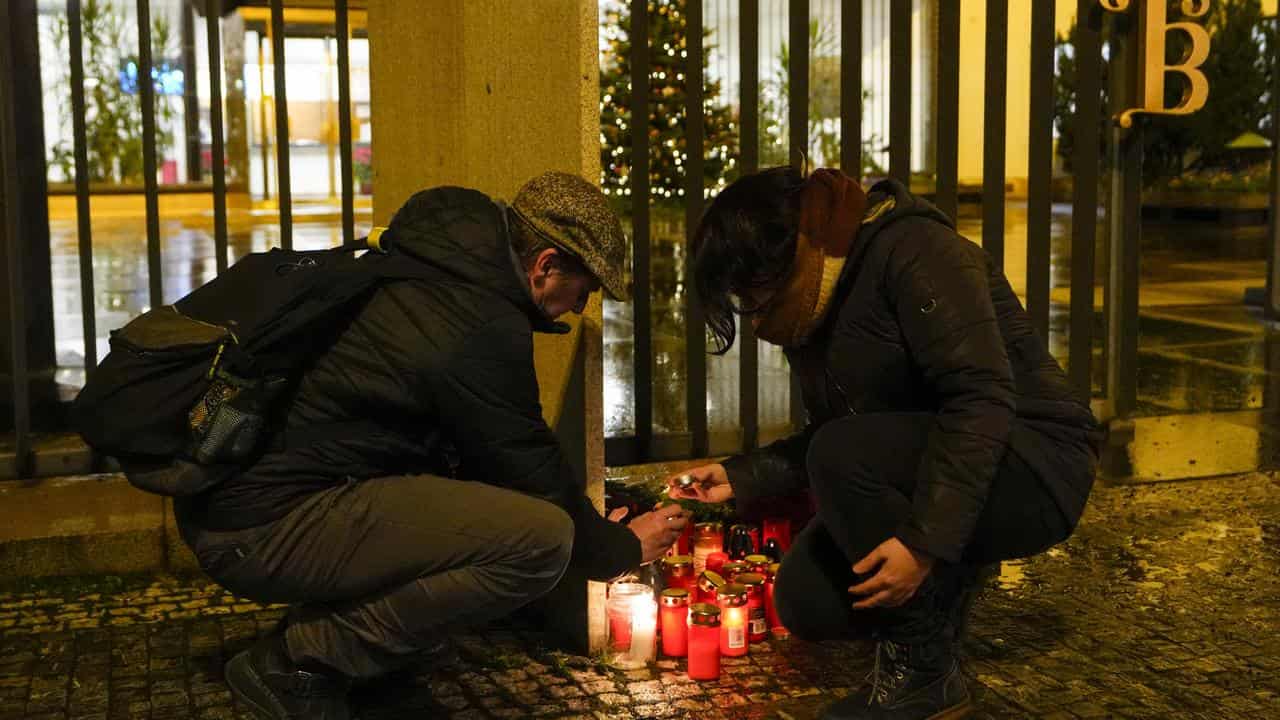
x: 757, y: 623
x: 633, y: 624
x: 734, y: 568
x: 743, y: 540
x: 704, y: 642
x: 684, y: 543
x: 732, y: 599
x: 708, y: 538
x: 675, y: 622
x: 771, y: 610
x: 677, y: 572
x: 709, y: 584
x: 778, y: 529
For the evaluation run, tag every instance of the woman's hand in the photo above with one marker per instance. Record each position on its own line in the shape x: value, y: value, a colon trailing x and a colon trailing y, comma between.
x: 710, y: 484
x: 657, y: 530
x: 901, y: 572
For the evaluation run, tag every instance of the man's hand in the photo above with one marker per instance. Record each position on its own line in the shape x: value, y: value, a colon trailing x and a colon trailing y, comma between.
x: 657, y: 530
x: 710, y: 484
x: 901, y: 572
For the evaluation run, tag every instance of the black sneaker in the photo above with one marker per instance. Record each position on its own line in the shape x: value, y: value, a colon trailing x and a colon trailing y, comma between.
x: 267, y: 683
x: 909, y: 682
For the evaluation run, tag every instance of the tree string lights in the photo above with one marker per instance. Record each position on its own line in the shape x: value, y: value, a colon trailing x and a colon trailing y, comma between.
x: 668, y: 155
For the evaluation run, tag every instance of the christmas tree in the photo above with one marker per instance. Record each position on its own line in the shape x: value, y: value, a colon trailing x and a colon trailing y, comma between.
x: 666, y: 122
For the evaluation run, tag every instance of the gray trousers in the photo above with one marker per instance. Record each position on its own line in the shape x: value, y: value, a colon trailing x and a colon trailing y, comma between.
x: 377, y: 570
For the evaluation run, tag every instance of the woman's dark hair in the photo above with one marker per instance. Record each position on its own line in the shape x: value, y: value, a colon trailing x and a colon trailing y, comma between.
x: 746, y: 240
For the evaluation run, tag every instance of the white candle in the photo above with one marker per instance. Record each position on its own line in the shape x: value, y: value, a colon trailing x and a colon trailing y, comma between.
x: 644, y: 623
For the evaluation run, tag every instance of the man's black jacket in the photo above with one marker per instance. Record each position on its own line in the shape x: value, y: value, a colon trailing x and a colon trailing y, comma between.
x: 431, y: 377
x: 923, y: 320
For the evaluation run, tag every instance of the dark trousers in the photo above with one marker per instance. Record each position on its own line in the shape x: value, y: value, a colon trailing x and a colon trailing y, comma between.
x: 862, y: 472
x: 377, y: 570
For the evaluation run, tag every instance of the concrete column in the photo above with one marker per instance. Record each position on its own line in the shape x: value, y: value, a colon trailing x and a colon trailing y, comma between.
x: 486, y: 94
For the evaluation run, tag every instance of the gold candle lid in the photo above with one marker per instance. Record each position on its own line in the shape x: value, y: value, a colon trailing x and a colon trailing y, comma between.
x: 704, y: 614
x: 710, y: 580
x: 753, y: 581
x: 675, y: 597
x: 677, y: 560
x: 757, y: 559
x: 734, y: 567
x: 733, y: 595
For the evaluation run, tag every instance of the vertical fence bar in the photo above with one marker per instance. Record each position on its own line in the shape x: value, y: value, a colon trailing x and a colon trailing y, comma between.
x: 84, y: 226
x: 1040, y: 165
x: 12, y: 234
x: 283, y: 193
x: 1272, y: 303
x: 213, y: 18
x: 343, y: 31
x: 798, y: 74
x: 1125, y: 224
x: 147, y: 93
x: 900, y: 91
x: 642, y: 321
x: 994, y: 124
x: 798, y: 125
x: 695, y: 331
x: 851, y: 87
x: 948, y: 162
x: 749, y: 140
x: 264, y: 142
x: 1084, y: 204
x: 190, y: 94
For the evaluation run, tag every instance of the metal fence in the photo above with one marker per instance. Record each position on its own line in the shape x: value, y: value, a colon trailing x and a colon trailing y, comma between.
x: 23, y: 199
x: 22, y: 156
x: 944, y: 16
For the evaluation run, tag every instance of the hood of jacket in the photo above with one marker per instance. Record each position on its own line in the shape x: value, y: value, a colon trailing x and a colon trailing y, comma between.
x: 465, y: 235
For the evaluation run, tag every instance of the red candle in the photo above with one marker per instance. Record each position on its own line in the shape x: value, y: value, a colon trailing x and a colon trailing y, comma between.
x: 778, y: 529
x: 709, y: 583
x: 771, y: 610
x: 677, y: 572
x: 716, y: 561
x: 675, y: 622
x: 733, y: 620
x: 684, y: 543
x: 757, y: 623
x: 704, y: 642
x: 708, y: 538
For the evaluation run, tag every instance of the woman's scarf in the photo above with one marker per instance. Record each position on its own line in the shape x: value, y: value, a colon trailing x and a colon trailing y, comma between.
x: 831, y: 209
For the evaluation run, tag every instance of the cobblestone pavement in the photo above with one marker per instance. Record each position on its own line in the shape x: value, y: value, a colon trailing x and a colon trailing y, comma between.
x: 1165, y: 604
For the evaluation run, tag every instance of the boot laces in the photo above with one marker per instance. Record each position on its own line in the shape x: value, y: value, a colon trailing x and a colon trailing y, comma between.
x: 889, y: 671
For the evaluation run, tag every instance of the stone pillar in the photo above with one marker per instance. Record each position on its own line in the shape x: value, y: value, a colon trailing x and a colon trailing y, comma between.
x: 486, y: 94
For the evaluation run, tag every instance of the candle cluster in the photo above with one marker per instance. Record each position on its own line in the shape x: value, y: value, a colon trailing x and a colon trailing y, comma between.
x: 713, y: 603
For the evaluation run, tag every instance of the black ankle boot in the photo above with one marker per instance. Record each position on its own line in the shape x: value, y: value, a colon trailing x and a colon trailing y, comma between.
x: 920, y: 681
x: 271, y: 687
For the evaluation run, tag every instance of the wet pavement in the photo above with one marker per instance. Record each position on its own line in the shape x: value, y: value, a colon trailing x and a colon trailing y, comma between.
x: 1163, y: 605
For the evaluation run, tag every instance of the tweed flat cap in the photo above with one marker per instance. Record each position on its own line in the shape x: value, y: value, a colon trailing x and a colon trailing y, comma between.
x: 574, y: 215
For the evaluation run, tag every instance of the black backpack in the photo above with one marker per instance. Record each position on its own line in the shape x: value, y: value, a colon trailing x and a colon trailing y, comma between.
x: 190, y: 392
